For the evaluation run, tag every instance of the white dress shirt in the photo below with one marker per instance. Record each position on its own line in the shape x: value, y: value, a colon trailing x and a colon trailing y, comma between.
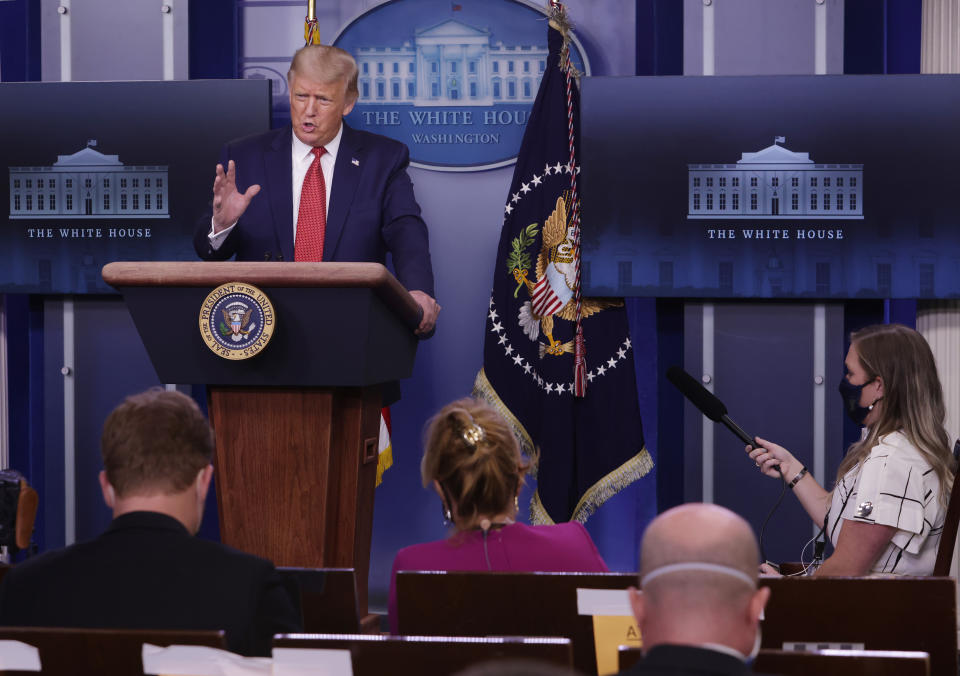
x: 301, y: 157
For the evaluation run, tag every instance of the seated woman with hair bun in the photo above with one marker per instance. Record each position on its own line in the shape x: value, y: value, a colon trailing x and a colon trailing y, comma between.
x: 472, y: 460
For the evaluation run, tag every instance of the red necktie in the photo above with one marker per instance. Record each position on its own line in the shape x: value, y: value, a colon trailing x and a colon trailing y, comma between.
x: 312, y: 219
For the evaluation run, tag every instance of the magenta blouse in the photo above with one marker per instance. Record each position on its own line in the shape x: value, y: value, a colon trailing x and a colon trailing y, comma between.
x: 564, y: 547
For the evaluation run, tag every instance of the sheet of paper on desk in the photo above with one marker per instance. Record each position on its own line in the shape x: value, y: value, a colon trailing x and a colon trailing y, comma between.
x: 613, y: 624
x: 603, y: 602
x: 311, y: 662
x: 19, y: 656
x: 195, y: 660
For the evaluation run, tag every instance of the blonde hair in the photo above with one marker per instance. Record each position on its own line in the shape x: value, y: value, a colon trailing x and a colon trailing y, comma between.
x: 912, y: 398
x: 326, y: 64
x: 472, y: 452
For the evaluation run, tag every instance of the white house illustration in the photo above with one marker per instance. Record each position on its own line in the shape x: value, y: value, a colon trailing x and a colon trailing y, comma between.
x: 89, y: 184
x: 450, y: 63
x: 775, y: 183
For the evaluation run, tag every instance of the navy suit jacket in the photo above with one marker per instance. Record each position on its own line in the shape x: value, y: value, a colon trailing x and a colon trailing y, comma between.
x: 687, y: 660
x: 372, y: 207
x: 147, y: 572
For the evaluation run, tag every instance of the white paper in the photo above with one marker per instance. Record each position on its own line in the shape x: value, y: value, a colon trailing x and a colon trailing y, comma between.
x: 17, y: 655
x: 817, y: 646
x: 603, y: 602
x: 311, y: 662
x: 196, y: 660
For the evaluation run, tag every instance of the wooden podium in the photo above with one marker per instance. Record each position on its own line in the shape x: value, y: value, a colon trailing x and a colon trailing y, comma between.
x: 297, y: 425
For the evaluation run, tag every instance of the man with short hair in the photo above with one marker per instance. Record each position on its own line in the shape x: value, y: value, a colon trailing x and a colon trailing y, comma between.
x: 357, y: 208
x: 699, y: 606
x: 147, y: 570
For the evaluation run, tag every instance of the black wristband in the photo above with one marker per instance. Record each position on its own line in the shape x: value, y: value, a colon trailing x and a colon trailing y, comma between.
x: 802, y: 473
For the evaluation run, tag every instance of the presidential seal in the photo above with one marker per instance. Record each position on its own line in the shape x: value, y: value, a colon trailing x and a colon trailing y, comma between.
x: 236, y: 320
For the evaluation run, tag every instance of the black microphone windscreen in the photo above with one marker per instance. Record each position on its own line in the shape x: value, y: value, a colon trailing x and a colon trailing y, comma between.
x: 698, y: 395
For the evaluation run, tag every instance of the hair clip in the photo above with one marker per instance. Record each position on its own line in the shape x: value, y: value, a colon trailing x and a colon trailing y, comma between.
x: 472, y: 435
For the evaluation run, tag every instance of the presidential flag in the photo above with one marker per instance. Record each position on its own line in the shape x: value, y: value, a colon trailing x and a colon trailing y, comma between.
x: 585, y: 448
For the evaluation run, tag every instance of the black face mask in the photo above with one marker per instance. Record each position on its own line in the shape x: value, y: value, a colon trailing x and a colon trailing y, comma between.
x: 851, y: 398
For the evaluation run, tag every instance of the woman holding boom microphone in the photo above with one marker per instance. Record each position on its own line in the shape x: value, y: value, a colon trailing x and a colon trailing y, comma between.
x: 887, y: 508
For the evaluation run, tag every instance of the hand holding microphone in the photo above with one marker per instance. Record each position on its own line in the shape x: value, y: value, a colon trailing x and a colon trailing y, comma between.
x: 772, y: 459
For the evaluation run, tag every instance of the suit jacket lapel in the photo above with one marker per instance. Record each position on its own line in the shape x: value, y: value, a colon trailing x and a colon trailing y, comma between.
x: 279, y: 188
x: 346, y: 177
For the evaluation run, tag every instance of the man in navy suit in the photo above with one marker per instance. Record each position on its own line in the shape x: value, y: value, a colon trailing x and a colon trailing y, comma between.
x: 369, y: 200
x: 699, y: 606
x: 147, y: 570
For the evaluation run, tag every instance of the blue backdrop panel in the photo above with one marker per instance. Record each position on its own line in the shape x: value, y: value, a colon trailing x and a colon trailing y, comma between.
x: 19, y: 40
x: 125, y: 176
x: 815, y: 187
x: 764, y: 373
x: 659, y: 37
x: 881, y: 37
x: 669, y: 426
x: 111, y: 364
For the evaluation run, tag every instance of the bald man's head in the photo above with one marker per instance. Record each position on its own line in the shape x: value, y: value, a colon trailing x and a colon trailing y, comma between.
x: 703, y: 533
x: 698, y: 573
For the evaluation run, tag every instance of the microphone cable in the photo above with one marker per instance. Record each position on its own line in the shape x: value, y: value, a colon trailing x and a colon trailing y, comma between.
x: 763, y: 526
x: 818, y: 546
x: 708, y: 404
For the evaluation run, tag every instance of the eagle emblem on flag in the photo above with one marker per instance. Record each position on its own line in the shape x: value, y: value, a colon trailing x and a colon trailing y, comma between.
x: 551, y: 294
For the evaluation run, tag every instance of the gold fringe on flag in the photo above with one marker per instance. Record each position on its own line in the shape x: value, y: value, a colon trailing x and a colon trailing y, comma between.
x: 635, y: 468
x: 384, y: 462
x: 483, y: 390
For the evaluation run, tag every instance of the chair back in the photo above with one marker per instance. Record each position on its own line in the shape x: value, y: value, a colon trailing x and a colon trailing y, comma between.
x: 948, y: 538
x: 824, y: 663
x: 627, y: 656
x: 430, y: 655
x: 67, y: 652
x: 843, y: 663
x: 498, y: 604
x: 899, y: 613
x: 325, y: 597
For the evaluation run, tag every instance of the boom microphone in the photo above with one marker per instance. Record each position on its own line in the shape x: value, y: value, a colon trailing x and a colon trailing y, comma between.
x: 714, y: 409
x: 707, y: 402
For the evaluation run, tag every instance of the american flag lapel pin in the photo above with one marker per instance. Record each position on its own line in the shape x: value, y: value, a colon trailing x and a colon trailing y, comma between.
x: 355, y: 162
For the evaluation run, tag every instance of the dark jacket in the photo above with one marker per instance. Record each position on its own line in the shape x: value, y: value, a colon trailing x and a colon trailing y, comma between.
x: 147, y: 572
x: 686, y: 660
x: 372, y: 208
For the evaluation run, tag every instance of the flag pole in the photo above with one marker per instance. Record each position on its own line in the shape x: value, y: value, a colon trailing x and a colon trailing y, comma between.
x: 311, y: 33
x: 558, y: 18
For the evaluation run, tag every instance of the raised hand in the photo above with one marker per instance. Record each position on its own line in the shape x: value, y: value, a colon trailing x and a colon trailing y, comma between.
x: 228, y: 202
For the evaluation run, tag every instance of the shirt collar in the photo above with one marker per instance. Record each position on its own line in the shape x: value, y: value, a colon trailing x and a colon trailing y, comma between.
x: 146, y: 519
x: 720, y: 648
x: 301, y: 150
